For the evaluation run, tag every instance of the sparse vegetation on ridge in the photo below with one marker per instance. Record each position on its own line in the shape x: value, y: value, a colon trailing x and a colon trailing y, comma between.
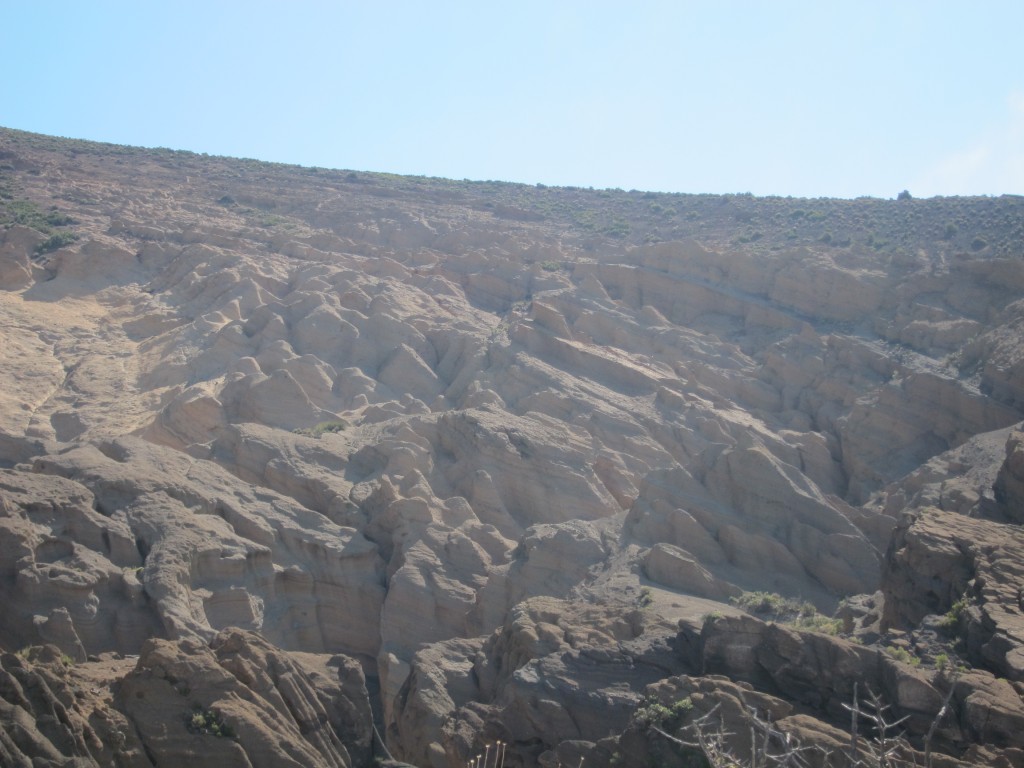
x: 951, y: 225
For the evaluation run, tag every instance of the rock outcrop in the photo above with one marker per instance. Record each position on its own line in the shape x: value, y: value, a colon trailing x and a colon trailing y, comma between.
x: 237, y: 701
x: 480, y: 462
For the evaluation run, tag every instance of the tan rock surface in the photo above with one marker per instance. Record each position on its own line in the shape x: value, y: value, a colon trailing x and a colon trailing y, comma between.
x: 238, y: 702
x: 495, y: 442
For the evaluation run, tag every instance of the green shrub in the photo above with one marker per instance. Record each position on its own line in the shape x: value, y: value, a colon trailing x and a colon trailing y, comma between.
x: 819, y: 623
x: 58, y: 219
x: 787, y: 610
x: 618, y: 228
x: 654, y: 713
x: 951, y: 620
x: 770, y: 603
x: 338, y: 425
x: 15, y: 210
x: 904, y: 656
x: 55, y: 241
x: 208, y: 722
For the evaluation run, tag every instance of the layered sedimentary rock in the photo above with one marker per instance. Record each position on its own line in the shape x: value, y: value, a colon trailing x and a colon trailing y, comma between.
x: 236, y: 701
x: 501, y: 456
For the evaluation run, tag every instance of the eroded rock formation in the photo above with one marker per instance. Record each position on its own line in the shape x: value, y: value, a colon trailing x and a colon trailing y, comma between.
x: 477, y: 462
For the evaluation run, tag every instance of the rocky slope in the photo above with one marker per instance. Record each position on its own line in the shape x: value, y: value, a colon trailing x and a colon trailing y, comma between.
x: 288, y: 453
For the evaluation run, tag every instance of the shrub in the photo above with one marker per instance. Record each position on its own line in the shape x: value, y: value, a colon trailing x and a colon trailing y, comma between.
x: 904, y: 656
x: 208, y: 722
x: 787, y: 610
x: 55, y: 241
x: 654, y: 713
x: 951, y: 620
x: 27, y: 213
x: 338, y: 425
x: 58, y: 219
x: 617, y: 228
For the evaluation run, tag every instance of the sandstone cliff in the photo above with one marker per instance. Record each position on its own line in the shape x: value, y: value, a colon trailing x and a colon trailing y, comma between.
x: 288, y: 452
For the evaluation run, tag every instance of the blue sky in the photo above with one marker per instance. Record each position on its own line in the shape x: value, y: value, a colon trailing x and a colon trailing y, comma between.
x: 789, y: 98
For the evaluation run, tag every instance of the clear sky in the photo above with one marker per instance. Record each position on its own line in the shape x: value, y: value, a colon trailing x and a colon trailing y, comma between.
x: 790, y: 98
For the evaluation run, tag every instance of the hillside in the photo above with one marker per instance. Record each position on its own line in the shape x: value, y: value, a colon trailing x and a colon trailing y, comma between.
x: 289, y: 454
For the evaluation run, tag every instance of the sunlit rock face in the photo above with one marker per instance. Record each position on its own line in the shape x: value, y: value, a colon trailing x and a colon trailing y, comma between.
x: 484, y: 462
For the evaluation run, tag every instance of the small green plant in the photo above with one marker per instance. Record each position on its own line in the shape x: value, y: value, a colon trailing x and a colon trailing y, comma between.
x: 951, y: 620
x: 55, y: 241
x: 786, y: 610
x: 771, y: 604
x: 552, y: 266
x: 819, y: 623
x: 646, y: 597
x: 617, y: 228
x: 904, y: 656
x: 654, y: 713
x: 942, y: 661
x: 269, y: 221
x: 208, y: 722
x: 337, y: 425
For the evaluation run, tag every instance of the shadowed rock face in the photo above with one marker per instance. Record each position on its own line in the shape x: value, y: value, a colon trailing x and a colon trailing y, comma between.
x: 301, y: 440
